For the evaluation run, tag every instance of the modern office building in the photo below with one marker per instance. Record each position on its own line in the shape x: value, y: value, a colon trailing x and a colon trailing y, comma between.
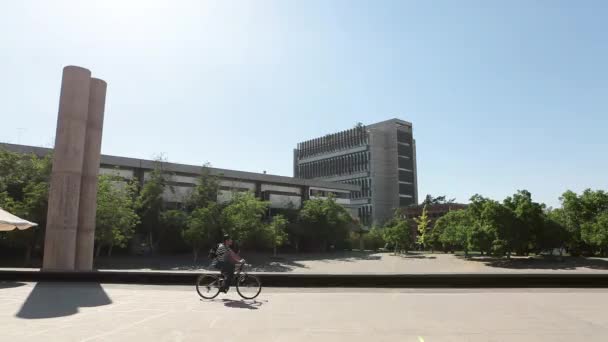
x: 281, y: 192
x: 380, y: 158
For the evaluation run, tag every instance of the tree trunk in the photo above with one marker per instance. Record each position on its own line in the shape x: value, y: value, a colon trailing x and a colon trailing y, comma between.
x: 98, y: 251
x: 195, y: 254
x: 297, y: 245
x: 151, y: 242
x: 110, y: 250
x: 508, y: 254
x: 361, y: 244
x: 28, y: 255
x: 274, y: 250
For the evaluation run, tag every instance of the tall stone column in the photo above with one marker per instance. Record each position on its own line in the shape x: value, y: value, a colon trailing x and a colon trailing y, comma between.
x: 90, y: 169
x: 64, y: 194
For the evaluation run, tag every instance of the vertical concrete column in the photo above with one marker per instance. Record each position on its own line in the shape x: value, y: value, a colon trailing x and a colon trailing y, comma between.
x: 64, y: 194
x: 90, y: 169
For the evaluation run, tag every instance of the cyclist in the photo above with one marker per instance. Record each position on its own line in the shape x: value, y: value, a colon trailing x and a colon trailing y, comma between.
x: 225, y: 259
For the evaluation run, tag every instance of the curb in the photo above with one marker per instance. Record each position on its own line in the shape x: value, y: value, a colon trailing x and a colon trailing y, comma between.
x: 429, y: 280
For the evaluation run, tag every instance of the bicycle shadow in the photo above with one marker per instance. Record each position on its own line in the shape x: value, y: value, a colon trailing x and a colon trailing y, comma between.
x: 242, y: 304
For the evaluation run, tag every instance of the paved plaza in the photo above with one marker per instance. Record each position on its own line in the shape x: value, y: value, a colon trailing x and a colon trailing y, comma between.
x: 93, y: 312
x: 368, y: 262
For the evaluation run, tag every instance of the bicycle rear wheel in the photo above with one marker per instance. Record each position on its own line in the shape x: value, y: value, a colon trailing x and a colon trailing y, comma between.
x: 208, y: 286
x: 248, y: 286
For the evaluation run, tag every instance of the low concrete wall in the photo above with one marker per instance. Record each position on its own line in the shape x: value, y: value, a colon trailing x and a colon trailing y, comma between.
x: 437, y: 280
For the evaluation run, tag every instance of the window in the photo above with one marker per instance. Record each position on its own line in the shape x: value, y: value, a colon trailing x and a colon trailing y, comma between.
x: 404, y: 150
x: 405, y: 201
x: 404, y: 137
x: 406, y: 176
x: 406, y: 163
x: 406, y: 189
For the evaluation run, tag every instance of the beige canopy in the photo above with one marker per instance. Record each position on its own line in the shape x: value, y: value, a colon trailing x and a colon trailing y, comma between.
x: 9, y: 222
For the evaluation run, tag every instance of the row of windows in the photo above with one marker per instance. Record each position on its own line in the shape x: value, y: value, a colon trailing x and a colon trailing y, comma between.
x: 406, y: 189
x: 326, y: 193
x: 404, y: 150
x: 406, y: 201
x: 406, y: 176
x: 334, y: 142
x: 365, y: 215
x: 366, y: 187
x: 404, y: 137
x: 342, y: 165
x: 406, y: 163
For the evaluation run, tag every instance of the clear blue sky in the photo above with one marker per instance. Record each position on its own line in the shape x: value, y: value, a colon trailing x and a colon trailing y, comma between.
x: 503, y: 95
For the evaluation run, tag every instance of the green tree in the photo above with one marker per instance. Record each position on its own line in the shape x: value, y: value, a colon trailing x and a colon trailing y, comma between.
x: 277, y: 230
x: 357, y: 235
x: 116, y: 218
x: 242, y: 219
x: 595, y: 233
x: 374, y: 240
x: 24, y: 186
x: 398, y: 234
x: 455, y: 227
x: 202, y: 228
x: 430, y: 200
x: 150, y: 204
x: 173, y: 223
x: 578, y: 210
x: 423, y: 222
x: 530, y: 218
x: 432, y: 238
x: 480, y: 237
x: 205, y: 191
x: 325, y: 221
x: 504, y: 224
x: 554, y: 233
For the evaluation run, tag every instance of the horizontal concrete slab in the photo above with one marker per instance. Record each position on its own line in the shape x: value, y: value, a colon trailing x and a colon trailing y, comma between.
x: 431, y: 280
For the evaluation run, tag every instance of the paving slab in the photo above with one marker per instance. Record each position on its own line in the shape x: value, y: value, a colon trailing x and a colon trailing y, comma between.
x: 93, y: 312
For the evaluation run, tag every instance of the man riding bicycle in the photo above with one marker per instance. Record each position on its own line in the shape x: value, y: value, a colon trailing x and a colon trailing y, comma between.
x: 225, y: 259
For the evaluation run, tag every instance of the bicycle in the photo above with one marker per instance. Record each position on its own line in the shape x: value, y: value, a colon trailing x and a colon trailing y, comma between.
x: 248, y: 286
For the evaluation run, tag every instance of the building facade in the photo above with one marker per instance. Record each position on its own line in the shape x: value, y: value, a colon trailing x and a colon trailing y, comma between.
x: 281, y: 192
x: 379, y: 158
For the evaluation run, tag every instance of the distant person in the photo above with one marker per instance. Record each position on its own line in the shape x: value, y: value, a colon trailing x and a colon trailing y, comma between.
x: 225, y: 259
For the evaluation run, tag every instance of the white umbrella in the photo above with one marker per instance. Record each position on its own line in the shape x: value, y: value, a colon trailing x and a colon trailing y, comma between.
x: 9, y: 222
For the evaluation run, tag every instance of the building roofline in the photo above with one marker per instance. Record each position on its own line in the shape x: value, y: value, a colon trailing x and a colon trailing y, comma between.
x: 191, y: 169
x: 393, y: 120
x: 373, y: 125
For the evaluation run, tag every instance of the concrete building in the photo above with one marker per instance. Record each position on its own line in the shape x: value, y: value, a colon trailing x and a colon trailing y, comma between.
x: 282, y: 192
x: 380, y: 158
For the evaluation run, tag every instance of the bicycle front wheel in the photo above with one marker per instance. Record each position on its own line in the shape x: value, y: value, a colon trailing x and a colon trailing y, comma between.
x: 208, y: 286
x: 248, y: 286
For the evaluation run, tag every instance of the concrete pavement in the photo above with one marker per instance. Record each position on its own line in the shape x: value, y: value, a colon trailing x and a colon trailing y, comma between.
x: 93, y: 312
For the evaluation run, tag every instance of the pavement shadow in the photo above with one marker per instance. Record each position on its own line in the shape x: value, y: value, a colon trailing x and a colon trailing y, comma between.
x: 262, y: 262
x: 417, y: 256
x: 542, y: 263
x: 242, y: 304
x: 49, y: 300
x: 10, y: 284
x: 277, y: 265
